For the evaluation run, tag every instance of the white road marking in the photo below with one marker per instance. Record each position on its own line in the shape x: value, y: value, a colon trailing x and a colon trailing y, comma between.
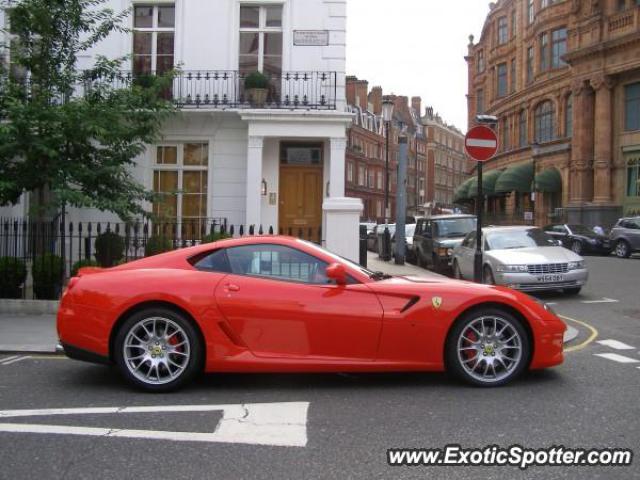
x: 617, y: 358
x: 15, y: 360
x: 615, y: 344
x: 275, y: 424
x: 603, y: 300
x: 476, y: 142
x: 6, y: 359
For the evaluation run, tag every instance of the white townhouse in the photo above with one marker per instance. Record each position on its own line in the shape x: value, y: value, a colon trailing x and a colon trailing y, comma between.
x: 278, y: 163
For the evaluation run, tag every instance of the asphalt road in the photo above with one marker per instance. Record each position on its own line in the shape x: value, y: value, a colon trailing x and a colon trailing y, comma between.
x: 590, y: 401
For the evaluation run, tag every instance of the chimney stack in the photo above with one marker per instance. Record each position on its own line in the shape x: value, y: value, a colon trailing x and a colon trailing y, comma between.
x: 375, y: 99
x: 416, y: 104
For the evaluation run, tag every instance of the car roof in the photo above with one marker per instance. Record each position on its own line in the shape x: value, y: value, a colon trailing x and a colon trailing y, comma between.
x: 446, y: 217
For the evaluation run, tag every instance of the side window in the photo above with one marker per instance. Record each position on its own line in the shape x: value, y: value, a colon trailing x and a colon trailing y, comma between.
x: 278, y: 262
x: 559, y: 229
x: 216, y: 261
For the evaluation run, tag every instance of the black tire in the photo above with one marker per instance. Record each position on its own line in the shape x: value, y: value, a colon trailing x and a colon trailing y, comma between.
x: 457, y: 274
x: 572, y: 291
x: 453, y: 363
x: 622, y: 249
x: 487, y: 276
x: 193, y: 366
x: 577, y: 247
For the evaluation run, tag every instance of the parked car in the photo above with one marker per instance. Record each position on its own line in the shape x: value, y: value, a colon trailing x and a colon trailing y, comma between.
x: 369, y: 226
x: 625, y: 237
x: 278, y: 304
x: 436, y: 237
x: 579, y: 238
x: 409, y: 231
x: 522, y: 258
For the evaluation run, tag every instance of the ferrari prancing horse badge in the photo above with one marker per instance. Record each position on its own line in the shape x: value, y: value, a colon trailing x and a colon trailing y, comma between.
x: 437, y: 302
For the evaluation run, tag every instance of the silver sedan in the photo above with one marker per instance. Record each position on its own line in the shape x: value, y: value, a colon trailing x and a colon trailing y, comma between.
x: 523, y: 258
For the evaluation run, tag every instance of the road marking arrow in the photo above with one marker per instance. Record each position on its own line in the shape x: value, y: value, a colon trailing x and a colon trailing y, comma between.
x: 274, y: 424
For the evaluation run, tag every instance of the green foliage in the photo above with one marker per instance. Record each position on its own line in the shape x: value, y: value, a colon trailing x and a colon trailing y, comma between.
x: 109, y: 249
x: 79, y: 146
x: 13, y: 273
x: 81, y: 264
x: 256, y: 80
x: 156, y: 245
x: 47, y: 271
x: 214, y: 237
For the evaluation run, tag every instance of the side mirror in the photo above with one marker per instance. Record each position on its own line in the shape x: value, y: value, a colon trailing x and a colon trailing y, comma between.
x: 338, y: 273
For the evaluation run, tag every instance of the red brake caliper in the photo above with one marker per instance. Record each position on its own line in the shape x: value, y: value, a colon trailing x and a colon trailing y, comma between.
x: 470, y: 338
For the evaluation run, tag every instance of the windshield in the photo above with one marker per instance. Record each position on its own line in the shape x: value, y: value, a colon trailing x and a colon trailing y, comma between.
x: 512, y: 239
x: 580, y: 230
x: 455, y: 227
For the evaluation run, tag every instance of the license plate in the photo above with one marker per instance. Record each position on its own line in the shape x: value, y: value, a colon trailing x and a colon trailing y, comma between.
x: 550, y: 278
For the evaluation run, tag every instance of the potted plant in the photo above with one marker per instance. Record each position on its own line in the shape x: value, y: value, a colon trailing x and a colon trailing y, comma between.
x: 256, y: 86
x: 47, y: 271
x: 13, y: 273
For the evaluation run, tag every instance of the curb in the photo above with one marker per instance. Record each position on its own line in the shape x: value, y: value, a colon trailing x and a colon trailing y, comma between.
x: 29, y: 349
x: 570, y: 334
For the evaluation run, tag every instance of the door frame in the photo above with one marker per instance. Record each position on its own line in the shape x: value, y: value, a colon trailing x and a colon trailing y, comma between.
x: 283, y: 166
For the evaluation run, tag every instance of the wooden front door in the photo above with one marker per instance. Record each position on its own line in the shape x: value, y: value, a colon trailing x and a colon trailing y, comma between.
x: 301, y: 202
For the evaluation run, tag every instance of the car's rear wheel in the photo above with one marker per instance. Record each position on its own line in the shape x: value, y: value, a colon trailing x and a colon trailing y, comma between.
x: 576, y: 247
x: 488, y: 347
x: 158, y: 350
x: 622, y: 249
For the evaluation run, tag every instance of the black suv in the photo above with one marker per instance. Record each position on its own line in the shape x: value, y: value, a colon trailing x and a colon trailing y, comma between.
x: 437, y: 236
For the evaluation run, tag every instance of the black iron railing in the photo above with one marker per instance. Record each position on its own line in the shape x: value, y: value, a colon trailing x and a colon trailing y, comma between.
x: 37, y: 257
x: 224, y: 89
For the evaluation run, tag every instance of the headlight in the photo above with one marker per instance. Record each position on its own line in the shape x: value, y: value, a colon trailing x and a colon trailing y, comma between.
x: 512, y: 268
x: 576, y: 265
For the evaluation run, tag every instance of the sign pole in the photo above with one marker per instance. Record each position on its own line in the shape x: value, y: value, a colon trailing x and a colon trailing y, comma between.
x: 477, y: 259
x: 481, y: 144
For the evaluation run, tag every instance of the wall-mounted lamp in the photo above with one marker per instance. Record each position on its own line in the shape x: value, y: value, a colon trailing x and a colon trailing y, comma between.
x: 263, y: 189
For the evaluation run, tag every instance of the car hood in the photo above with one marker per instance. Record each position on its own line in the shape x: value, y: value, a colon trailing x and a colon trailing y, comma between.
x: 533, y: 256
x: 449, y: 242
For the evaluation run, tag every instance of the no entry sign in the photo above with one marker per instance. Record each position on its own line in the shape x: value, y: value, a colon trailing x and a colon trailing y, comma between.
x: 481, y: 143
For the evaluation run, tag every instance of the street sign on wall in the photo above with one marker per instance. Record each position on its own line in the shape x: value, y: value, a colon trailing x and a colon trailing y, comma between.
x: 481, y: 143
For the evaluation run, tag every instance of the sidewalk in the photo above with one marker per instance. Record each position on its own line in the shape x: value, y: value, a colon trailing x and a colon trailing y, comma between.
x: 375, y: 264
x: 28, y: 333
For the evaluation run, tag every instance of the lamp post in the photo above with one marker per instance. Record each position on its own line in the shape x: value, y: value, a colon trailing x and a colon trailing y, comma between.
x: 387, y: 117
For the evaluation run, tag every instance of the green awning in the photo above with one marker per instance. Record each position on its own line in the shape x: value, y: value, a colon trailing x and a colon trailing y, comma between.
x: 461, y: 193
x: 518, y: 178
x: 488, y: 183
x: 549, y: 181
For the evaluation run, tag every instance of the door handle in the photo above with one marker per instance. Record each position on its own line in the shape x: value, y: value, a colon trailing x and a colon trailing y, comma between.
x: 229, y: 287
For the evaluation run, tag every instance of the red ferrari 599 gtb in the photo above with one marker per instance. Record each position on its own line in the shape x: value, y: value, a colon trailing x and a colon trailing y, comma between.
x: 278, y: 304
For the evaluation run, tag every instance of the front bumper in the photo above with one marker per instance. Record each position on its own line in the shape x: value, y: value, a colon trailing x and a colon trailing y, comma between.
x: 527, y: 282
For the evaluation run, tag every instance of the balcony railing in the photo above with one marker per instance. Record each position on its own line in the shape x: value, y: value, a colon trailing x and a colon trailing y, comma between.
x: 224, y: 89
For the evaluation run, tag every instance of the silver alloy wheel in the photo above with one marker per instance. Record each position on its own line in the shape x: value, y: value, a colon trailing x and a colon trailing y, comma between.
x: 489, y: 349
x: 156, y: 350
x: 621, y: 249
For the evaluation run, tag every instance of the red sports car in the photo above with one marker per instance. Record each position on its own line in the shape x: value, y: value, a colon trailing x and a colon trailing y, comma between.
x: 278, y: 304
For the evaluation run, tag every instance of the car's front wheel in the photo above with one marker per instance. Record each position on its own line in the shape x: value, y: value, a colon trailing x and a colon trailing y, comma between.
x: 488, y: 347
x: 158, y: 350
x: 576, y: 247
x: 622, y: 249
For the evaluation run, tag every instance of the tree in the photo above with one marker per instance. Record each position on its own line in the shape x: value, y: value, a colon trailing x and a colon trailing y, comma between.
x: 74, y: 132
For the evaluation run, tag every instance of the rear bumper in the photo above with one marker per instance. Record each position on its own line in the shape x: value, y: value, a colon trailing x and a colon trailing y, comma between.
x: 83, y: 355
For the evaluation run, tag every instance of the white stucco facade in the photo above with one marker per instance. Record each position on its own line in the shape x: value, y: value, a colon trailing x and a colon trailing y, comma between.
x: 245, y: 143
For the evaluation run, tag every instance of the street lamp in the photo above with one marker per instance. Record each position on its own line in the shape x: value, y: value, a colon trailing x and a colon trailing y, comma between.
x: 387, y: 116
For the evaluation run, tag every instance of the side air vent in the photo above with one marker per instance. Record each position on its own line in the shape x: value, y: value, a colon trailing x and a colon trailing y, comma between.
x: 410, y: 304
